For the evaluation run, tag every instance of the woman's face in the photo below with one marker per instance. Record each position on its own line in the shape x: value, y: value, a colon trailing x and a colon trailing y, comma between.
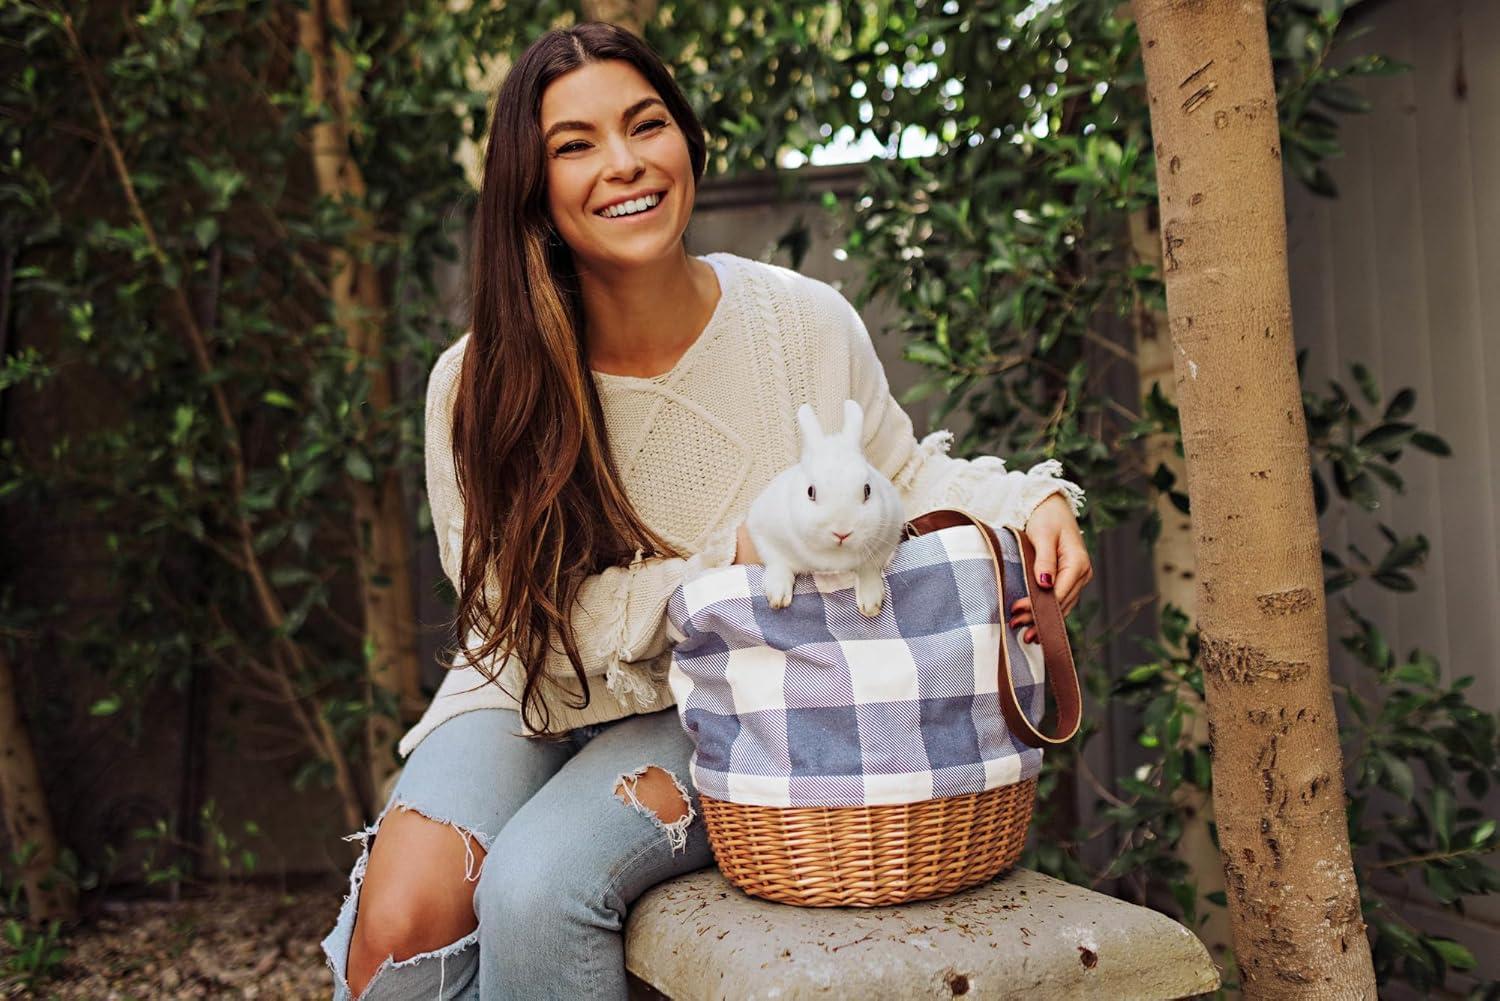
x: 609, y: 139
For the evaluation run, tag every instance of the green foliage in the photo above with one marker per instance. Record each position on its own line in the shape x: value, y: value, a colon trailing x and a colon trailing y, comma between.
x: 1006, y: 253
x: 168, y: 860
x: 31, y: 952
x: 186, y: 469
x: 30, y: 956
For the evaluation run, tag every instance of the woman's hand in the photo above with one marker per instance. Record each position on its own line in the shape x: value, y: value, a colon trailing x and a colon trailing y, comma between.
x: 1062, y: 562
x: 744, y: 548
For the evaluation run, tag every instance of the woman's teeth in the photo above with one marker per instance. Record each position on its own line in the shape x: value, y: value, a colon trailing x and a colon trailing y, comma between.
x: 632, y: 207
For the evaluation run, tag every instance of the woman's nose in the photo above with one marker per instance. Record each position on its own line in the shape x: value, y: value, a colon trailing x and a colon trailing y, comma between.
x: 624, y: 162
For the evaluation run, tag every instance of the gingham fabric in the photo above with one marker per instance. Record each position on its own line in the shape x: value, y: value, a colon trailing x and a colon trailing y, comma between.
x: 817, y: 705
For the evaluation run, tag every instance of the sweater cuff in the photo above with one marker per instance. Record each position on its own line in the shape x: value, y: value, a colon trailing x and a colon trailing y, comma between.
x: 633, y: 680
x: 1042, y: 481
x: 622, y: 681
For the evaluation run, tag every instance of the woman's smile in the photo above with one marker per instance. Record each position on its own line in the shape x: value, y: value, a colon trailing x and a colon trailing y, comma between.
x: 633, y: 209
x: 619, y: 172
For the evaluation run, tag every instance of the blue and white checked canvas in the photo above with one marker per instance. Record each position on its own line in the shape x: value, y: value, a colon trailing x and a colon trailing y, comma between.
x: 817, y: 705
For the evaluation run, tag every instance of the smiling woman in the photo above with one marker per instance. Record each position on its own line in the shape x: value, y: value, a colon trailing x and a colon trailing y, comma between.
x: 594, y: 441
x: 621, y: 177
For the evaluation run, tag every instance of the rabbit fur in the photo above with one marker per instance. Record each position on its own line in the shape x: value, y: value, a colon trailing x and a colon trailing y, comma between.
x: 832, y: 491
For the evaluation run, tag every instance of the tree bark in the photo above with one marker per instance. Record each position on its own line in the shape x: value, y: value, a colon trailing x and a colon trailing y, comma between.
x: 382, y: 540
x: 1176, y: 578
x: 1278, y: 775
x: 27, y: 820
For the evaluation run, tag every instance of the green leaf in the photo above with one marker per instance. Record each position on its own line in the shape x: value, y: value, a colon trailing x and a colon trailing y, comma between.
x: 357, y: 465
x: 926, y: 353
x: 1405, y: 553
x: 1400, y: 405
x: 1439, y: 883
x: 277, y: 398
x: 1416, y: 674
x: 107, y: 706
x: 1455, y: 955
x: 206, y: 231
x: 1444, y: 813
x: 1430, y: 443
x: 1342, y: 98
x: 1399, y: 775
x: 1365, y: 379
x: 1387, y: 437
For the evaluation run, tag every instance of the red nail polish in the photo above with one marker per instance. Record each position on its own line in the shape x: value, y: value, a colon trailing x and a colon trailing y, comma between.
x: 1046, y: 579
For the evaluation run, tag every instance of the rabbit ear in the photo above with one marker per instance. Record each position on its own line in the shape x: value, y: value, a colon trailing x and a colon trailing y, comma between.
x: 854, y: 423
x: 812, y: 431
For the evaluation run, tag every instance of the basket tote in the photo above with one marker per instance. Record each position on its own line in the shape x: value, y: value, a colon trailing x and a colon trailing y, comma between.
x: 865, y: 856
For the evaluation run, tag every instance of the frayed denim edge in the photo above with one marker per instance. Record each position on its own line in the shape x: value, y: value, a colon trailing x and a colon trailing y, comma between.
x: 676, y: 831
x: 472, y: 869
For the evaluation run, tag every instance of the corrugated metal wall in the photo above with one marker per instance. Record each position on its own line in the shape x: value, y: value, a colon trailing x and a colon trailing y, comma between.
x: 1402, y: 272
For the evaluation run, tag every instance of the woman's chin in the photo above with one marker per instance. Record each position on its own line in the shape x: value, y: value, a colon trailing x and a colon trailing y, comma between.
x: 632, y: 252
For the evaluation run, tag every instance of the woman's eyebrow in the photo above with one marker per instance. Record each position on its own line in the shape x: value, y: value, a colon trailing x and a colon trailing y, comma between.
x: 625, y: 116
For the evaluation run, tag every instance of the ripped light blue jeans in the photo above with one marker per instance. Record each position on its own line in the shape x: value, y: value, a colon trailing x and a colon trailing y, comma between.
x: 565, y: 856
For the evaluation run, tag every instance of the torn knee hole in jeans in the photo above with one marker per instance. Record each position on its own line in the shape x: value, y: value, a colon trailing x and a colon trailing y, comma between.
x: 628, y: 790
x: 472, y: 863
x: 472, y: 867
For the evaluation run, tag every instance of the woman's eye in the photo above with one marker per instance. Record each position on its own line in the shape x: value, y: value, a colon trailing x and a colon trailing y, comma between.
x: 812, y: 494
x: 656, y: 122
x: 569, y: 147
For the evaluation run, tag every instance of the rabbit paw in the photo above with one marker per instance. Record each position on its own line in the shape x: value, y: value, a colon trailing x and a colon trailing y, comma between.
x: 869, y: 592
x: 779, y: 584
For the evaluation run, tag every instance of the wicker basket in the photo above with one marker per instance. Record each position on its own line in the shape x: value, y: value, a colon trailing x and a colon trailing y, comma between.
x: 868, y: 856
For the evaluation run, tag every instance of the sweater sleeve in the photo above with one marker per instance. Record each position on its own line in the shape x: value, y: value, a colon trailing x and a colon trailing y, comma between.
x: 926, y: 476
x: 619, y: 619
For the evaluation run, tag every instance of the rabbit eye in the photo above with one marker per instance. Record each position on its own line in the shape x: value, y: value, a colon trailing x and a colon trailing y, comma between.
x: 812, y: 494
x: 867, y: 491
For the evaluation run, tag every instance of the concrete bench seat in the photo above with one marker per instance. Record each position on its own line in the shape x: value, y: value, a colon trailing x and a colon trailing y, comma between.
x: 1024, y: 935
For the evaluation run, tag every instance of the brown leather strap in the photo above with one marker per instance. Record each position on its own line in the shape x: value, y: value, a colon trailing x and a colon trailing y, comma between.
x: 1057, y: 655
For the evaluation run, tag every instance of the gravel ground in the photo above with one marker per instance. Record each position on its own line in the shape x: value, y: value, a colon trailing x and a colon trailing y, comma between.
x: 231, y: 942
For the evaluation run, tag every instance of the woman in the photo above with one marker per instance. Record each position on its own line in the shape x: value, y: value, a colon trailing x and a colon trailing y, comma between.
x: 616, y: 397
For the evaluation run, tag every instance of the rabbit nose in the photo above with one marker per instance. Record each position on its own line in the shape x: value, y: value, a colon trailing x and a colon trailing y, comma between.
x: 843, y: 535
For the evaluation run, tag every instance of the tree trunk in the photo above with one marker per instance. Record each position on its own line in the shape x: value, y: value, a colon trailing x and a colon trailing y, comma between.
x: 1176, y: 579
x: 27, y: 819
x: 1278, y: 775
x: 382, y: 541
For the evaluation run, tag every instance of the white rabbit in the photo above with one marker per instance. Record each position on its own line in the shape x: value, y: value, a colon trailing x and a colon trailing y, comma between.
x: 830, y: 512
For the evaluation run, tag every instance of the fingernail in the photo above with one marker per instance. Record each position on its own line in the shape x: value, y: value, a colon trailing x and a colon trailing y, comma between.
x: 1046, y: 579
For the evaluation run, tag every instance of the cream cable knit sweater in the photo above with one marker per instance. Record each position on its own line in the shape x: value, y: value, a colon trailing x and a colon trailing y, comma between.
x: 694, y: 446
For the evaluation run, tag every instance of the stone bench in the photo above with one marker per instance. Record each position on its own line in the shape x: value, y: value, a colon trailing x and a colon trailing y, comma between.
x: 1024, y: 935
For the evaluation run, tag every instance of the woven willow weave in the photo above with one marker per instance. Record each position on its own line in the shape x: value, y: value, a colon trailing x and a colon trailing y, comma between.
x: 869, y: 856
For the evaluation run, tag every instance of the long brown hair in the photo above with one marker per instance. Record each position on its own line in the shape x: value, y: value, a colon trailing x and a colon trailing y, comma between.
x: 543, y: 502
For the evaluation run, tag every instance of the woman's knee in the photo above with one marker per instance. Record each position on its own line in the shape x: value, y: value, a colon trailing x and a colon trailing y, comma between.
x: 418, y: 890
